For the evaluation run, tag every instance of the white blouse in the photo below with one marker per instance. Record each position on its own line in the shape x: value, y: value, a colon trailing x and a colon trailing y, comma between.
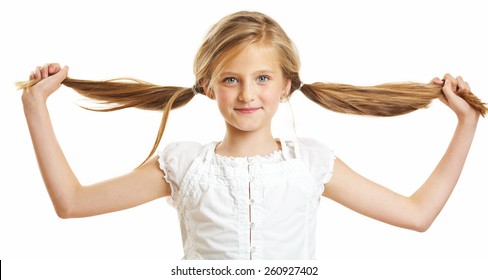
x: 260, y: 207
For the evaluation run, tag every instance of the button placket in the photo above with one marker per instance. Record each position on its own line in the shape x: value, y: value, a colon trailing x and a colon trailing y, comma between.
x: 251, y: 251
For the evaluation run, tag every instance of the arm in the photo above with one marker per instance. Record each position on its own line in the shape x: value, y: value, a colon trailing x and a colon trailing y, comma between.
x: 418, y: 211
x: 69, y: 197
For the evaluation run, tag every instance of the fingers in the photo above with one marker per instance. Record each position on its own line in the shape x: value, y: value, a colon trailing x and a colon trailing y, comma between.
x: 53, y: 68
x: 452, y: 81
x: 436, y: 81
x: 458, y: 85
x: 61, y: 74
x: 37, y: 73
x: 448, y: 89
x: 463, y: 87
x: 42, y: 72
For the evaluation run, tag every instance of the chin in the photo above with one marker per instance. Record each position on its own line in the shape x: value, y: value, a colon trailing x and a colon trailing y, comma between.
x: 247, y: 127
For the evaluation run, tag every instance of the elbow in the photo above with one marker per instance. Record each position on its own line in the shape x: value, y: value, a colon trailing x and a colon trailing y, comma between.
x: 62, y: 215
x: 421, y: 227
x: 64, y: 204
x: 65, y: 208
x: 420, y: 218
x: 421, y: 224
x: 63, y: 212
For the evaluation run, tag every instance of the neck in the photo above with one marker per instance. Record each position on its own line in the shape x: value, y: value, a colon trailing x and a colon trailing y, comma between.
x: 245, y: 144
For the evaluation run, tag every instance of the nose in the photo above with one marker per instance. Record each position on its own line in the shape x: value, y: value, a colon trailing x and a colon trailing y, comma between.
x: 247, y: 93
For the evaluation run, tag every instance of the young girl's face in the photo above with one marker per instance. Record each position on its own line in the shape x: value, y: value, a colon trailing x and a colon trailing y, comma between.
x: 249, y: 88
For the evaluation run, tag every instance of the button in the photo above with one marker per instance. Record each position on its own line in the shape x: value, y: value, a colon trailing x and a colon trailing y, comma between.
x: 252, y: 225
x: 253, y: 249
x: 252, y: 201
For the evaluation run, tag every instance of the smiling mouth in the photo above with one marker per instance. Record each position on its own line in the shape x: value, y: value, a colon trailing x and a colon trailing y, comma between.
x: 247, y: 110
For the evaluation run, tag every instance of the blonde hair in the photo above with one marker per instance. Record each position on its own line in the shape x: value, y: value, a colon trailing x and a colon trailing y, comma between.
x: 226, y: 38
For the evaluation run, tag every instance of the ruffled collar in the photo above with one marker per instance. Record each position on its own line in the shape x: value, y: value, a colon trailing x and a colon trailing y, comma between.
x: 274, y: 156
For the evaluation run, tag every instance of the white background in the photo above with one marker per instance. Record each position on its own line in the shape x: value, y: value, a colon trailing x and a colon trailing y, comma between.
x: 356, y: 42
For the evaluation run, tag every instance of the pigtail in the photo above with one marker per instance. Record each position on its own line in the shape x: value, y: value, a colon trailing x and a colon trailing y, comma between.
x: 124, y: 93
x: 382, y: 100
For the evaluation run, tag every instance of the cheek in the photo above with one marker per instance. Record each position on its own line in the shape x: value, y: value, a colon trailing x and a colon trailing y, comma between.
x: 272, y: 99
x: 224, y: 99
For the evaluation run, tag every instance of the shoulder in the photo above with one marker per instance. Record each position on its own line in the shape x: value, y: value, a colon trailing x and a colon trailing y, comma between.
x: 181, y: 147
x: 316, y: 155
x: 180, y: 151
x: 310, y: 144
x: 308, y: 147
x: 176, y: 158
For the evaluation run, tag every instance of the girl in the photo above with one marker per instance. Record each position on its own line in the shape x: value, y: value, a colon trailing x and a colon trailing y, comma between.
x: 250, y: 195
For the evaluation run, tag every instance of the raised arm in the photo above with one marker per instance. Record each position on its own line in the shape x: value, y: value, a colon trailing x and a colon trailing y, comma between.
x: 418, y: 211
x: 69, y: 197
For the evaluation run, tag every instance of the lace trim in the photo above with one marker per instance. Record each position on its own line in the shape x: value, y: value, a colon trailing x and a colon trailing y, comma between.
x: 330, y: 172
x: 273, y: 156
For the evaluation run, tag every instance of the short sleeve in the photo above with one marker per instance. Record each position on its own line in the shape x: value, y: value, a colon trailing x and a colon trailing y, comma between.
x: 175, y: 160
x: 319, y: 158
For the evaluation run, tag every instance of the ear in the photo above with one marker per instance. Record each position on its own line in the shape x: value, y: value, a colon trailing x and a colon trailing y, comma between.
x: 286, y: 90
x: 208, y: 91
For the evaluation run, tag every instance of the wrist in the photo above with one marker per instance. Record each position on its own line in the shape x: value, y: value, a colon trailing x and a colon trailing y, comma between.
x: 32, y: 102
x: 469, y: 120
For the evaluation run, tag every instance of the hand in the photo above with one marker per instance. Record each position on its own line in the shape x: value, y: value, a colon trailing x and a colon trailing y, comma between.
x: 452, y: 88
x: 49, y: 77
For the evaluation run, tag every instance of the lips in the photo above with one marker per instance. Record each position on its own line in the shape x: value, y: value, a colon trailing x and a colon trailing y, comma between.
x: 247, y: 110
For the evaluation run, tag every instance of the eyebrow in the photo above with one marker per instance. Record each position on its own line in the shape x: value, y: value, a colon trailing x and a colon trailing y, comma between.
x: 231, y: 73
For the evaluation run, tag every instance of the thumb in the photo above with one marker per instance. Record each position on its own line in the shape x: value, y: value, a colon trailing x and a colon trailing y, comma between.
x: 60, y: 76
x: 53, y: 82
x: 447, y: 89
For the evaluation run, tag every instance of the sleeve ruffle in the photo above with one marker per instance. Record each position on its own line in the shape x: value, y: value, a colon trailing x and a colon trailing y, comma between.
x: 174, y: 160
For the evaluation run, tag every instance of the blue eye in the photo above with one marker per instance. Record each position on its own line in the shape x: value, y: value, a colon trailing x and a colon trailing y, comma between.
x: 230, y: 80
x: 263, y: 78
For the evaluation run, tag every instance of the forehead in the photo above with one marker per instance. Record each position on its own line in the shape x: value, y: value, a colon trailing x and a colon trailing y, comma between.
x: 252, y: 57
